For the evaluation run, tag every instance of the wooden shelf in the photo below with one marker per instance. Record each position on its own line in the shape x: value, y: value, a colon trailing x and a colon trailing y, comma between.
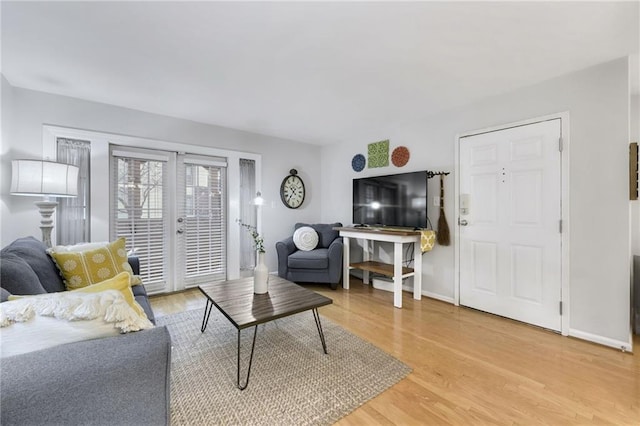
x: 379, y: 268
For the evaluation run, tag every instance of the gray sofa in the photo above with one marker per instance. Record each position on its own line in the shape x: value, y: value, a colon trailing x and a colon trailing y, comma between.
x: 320, y: 265
x: 121, y: 380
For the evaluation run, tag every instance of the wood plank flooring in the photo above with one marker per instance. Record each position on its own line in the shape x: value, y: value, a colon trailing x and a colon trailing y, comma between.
x: 470, y: 367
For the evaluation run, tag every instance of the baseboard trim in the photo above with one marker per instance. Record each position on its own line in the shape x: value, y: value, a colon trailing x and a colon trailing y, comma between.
x: 387, y: 285
x: 617, y: 344
x: 438, y: 297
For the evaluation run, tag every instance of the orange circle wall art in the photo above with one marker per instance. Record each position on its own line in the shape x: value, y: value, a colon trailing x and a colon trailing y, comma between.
x: 400, y: 156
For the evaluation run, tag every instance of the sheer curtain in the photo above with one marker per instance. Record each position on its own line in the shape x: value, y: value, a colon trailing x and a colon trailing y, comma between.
x: 73, y: 214
x: 247, y: 212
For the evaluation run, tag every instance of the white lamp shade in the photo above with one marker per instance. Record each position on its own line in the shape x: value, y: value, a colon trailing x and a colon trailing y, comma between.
x: 38, y: 178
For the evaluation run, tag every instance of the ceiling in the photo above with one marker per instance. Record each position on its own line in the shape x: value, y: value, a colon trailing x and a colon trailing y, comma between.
x: 320, y: 73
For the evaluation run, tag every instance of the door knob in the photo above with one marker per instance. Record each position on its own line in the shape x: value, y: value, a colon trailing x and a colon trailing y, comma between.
x: 179, y: 231
x: 463, y: 222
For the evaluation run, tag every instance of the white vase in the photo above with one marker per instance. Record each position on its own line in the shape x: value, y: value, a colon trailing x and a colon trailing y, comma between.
x: 260, y: 276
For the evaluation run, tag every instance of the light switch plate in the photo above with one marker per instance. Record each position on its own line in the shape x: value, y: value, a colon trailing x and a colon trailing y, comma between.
x: 436, y: 201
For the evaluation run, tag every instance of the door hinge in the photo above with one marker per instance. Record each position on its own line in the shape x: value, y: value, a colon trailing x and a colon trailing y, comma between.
x: 560, y: 226
x: 561, y: 307
x: 560, y: 144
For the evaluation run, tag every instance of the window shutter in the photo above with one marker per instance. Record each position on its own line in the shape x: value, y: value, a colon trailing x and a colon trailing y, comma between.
x: 202, y: 218
x: 139, y: 210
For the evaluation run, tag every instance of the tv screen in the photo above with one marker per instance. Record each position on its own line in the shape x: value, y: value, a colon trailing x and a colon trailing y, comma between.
x: 394, y: 200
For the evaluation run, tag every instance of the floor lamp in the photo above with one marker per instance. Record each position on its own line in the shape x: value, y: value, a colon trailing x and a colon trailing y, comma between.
x: 48, y: 179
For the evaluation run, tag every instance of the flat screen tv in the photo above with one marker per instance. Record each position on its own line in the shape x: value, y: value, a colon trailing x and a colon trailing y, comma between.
x: 398, y: 200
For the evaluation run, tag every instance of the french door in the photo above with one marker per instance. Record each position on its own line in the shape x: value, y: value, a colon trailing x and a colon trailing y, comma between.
x: 201, y: 221
x: 171, y: 208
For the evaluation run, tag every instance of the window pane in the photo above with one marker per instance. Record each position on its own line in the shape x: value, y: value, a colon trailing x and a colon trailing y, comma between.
x: 204, y: 223
x: 247, y: 212
x: 73, y: 215
x: 140, y: 215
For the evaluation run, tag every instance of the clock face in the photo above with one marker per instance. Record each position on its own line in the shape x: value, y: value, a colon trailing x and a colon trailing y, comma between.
x: 292, y: 191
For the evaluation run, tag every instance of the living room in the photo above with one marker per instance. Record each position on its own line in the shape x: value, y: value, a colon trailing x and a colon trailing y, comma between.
x: 599, y: 91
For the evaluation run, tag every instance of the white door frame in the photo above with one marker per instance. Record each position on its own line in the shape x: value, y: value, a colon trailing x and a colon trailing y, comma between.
x: 564, y: 132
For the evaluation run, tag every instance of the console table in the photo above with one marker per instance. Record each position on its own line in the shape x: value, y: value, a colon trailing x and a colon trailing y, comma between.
x: 396, y: 271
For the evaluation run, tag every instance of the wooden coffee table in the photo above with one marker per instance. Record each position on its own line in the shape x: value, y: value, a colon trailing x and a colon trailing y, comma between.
x: 236, y: 300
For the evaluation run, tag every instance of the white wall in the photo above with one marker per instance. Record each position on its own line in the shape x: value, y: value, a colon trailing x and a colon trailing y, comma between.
x: 6, y: 109
x: 597, y: 100
x: 27, y: 111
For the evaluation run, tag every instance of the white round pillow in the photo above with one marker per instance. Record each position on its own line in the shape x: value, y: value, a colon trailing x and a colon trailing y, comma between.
x: 305, y: 238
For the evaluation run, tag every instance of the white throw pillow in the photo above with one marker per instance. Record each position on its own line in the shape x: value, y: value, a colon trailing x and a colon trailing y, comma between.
x: 305, y: 238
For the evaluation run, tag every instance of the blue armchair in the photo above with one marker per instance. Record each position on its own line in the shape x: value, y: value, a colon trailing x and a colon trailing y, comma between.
x: 320, y: 265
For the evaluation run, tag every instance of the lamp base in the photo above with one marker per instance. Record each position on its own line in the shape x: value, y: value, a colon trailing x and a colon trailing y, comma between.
x: 46, y: 209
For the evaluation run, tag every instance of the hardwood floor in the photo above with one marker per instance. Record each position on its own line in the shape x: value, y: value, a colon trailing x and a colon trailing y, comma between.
x: 470, y: 367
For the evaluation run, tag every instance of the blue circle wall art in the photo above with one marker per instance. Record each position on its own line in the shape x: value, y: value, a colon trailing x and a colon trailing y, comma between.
x: 358, y: 162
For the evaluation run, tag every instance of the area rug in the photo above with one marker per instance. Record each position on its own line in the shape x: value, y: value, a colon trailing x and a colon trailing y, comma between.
x: 292, y: 381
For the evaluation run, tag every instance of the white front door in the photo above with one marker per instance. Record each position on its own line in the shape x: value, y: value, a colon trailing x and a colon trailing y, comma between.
x: 510, y: 240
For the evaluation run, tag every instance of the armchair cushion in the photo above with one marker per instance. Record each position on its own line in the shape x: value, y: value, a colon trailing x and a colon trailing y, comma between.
x: 313, y: 259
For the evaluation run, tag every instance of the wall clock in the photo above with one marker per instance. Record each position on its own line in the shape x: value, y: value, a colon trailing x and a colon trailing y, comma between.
x: 292, y: 190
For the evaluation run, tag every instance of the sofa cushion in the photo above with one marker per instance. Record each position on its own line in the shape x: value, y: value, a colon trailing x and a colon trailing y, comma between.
x: 314, y: 259
x: 4, y: 295
x: 140, y: 294
x: 17, y: 277
x: 143, y: 301
x: 34, y: 252
x: 326, y: 233
x: 91, y: 264
x: 139, y: 290
x: 121, y: 380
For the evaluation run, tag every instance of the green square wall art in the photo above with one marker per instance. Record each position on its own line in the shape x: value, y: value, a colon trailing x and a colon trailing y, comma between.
x: 378, y: 154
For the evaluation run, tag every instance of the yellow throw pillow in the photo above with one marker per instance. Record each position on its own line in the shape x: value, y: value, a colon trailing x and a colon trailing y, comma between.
x: 119, y: 282
x: 93, y: 265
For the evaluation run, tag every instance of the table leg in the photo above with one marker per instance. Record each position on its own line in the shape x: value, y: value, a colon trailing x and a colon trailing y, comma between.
x: 253, y: 345
x: 397, y: 275
x: 366, y: 256
x: 417, y: 271
x: 316, y: 316
x: 207, y: 313
x: 346, y: 250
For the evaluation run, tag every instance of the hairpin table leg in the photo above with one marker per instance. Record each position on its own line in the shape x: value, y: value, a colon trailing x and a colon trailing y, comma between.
x: 316, y: 316
x: 253, y: 345
x: 207, y: 312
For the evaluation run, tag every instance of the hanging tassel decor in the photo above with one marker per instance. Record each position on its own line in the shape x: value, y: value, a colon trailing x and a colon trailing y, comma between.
x: 442, y: 235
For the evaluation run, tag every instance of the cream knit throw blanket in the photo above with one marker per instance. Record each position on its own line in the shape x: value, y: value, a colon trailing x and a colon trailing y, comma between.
x: 108, y: 305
